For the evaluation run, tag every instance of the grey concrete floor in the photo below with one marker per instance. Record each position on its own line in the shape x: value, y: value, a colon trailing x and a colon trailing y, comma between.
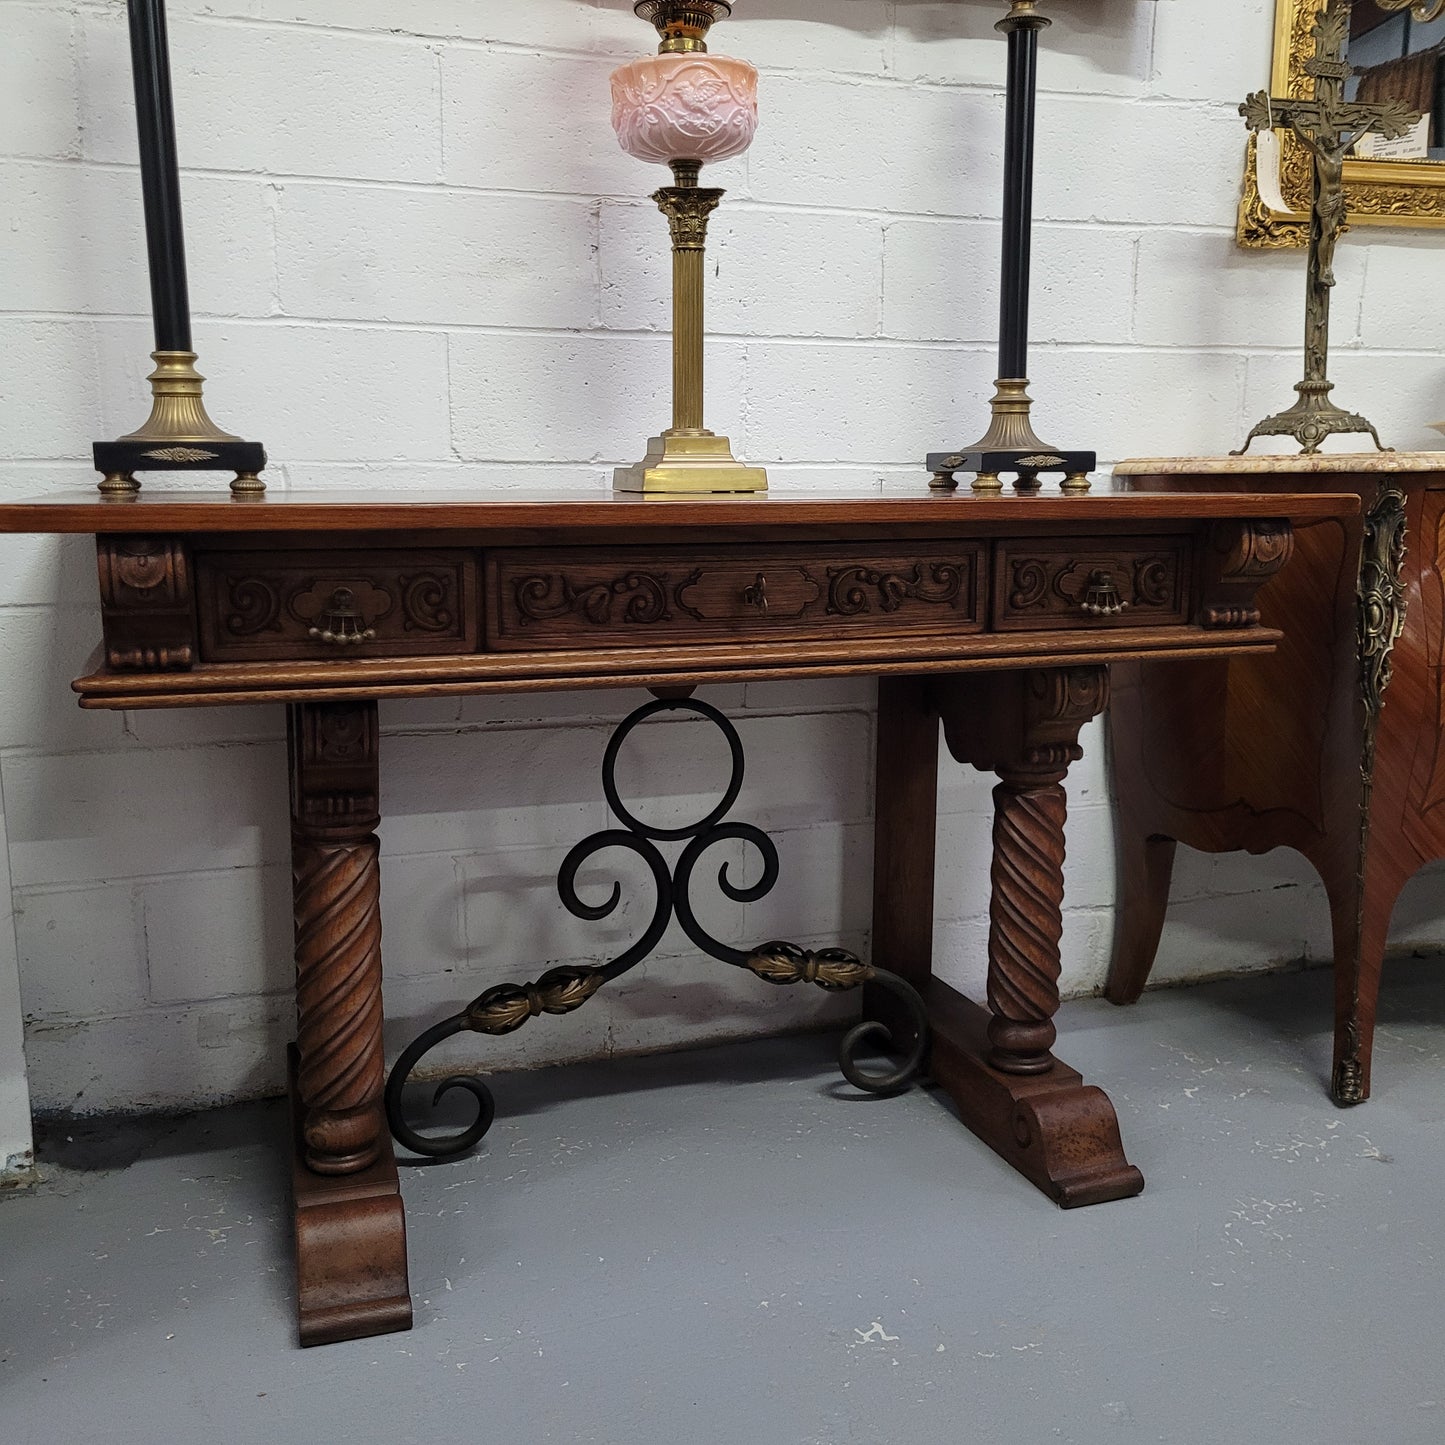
x: 724, y: 1246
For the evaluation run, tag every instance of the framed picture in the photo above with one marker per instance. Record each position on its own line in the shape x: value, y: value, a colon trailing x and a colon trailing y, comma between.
x: 1397, y: 49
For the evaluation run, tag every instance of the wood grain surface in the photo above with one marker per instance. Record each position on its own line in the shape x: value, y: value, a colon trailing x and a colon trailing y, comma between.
x: 547, y: 512
x: 512, y: 591
x: 1253, y: 754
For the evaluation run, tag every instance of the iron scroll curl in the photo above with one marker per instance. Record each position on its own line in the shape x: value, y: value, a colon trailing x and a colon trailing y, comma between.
x: 507, y: 1007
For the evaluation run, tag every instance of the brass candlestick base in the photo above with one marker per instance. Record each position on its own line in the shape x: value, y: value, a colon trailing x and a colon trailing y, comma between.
x: 1311, y: 419
x: 681, y: 462
x: 1011, y: 445
x: 178, y: 436
x: 178, y: 414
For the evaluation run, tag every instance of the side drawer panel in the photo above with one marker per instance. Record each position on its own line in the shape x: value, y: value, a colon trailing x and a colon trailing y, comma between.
x: 266, y: 606
x: 610, y: 597
x: 1061, y: 582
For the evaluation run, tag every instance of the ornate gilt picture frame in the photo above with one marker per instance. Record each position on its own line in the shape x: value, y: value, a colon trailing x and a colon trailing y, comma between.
x: 1377, y: 192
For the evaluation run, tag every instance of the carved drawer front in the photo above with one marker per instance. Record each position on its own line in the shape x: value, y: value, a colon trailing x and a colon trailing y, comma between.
x: 1061, y: 582
x: 261, y: 606
x: 615, y: 596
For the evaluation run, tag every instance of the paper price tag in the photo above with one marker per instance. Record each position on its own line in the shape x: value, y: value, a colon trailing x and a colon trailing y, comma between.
x: 1268, y: 164
x: 1414, y: 145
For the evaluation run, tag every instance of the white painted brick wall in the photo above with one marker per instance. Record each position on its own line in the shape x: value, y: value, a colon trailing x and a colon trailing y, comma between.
x: 418, y: 259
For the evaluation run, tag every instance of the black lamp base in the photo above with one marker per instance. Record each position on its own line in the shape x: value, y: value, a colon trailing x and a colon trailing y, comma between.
x: 1028, y: 464
x: 120, y: 460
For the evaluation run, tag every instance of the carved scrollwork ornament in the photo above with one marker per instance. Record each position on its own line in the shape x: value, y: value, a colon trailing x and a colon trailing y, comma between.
x: 640, y: 596
x: 1152, y: 582
x: 850, y: 588
x: 424, y: 603
x: 506, y: 1007
x: 1259, y: 549
x: 255, y: 606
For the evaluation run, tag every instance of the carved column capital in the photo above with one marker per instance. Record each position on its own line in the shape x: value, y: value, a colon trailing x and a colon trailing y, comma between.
x: 1021, y: 723
x: 334, y: 786
x: 687, y: 209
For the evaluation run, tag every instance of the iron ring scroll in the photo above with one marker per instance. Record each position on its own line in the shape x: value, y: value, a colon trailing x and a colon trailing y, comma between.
x: 507, y: 1007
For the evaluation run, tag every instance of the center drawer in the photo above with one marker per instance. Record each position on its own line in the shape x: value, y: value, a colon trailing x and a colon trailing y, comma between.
x: 611, y: 597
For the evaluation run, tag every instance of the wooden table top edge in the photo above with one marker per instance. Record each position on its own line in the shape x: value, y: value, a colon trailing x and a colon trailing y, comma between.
x: 356, y: 511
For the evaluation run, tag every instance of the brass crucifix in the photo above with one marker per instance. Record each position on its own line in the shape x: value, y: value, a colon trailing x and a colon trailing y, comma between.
x: 1327, y: 126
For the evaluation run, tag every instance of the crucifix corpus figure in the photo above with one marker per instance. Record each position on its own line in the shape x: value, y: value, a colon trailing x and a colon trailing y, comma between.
x: 1327, y: 126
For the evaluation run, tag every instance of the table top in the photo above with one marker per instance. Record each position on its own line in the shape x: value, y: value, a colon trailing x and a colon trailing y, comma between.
x: 535, y: 509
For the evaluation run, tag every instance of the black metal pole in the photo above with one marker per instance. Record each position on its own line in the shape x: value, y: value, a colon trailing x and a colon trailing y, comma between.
x: 1018, y: 200
x: 160, y: 175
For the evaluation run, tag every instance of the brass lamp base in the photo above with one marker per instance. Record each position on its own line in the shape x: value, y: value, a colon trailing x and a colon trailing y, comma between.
x: 178, y: 436
x: 1011, y: 445
x: 1311, y: 419
x: 688, y: 463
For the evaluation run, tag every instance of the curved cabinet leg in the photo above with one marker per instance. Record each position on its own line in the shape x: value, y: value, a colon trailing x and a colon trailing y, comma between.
x: 1359, y: 960
x: 1145, y: 869
x: 350, y: 1223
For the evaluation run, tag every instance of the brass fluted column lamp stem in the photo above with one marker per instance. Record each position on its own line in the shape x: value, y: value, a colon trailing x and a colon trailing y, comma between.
x: 687, y: 207
x: 683, y: 107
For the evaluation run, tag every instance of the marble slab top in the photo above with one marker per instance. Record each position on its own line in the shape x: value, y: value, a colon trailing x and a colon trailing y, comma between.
x: 1321, y: 464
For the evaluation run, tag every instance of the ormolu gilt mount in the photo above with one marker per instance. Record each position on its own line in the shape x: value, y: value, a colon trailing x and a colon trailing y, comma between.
x: 1010, y: 444
x: 1327, y: 126
x: 178, y: 436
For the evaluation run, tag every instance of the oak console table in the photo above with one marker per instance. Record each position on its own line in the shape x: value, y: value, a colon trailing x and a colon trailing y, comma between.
x: 996, y: 615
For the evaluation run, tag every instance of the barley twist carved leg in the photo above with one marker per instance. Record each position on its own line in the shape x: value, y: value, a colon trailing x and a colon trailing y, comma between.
x: 350, y: 1225
x: 1025, y: 919
x: 996, y: 1063
x: 338, y: 999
